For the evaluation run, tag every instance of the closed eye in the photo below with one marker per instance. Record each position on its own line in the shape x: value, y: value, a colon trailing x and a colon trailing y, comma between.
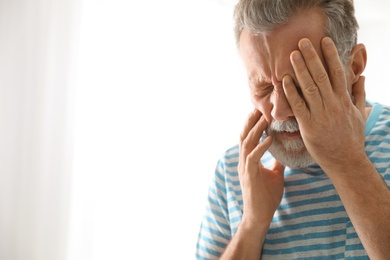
x: 263, y: 91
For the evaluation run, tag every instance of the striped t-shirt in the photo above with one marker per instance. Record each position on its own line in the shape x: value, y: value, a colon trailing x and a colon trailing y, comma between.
x: 311, y: 221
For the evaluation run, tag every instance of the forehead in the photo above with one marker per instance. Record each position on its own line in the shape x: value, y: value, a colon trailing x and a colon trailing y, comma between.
x: 270, y: 52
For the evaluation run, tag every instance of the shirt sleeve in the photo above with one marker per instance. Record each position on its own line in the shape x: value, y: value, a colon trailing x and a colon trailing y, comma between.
x: 215, y: 231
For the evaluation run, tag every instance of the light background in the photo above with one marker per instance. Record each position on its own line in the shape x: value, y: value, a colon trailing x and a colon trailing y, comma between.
x: 113, y: 115
x: 161, y: 93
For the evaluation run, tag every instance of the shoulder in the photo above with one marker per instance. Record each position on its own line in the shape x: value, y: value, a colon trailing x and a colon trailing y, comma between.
x: 385, y: 115
x: 378, y: 139
x: 378, y: 123
x: 227, y: 164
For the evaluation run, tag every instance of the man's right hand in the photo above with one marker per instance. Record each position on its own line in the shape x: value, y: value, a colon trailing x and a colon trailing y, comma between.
x: 262, y: 189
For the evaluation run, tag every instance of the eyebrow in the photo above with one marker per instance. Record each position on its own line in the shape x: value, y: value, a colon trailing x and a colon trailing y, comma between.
x: 258, y: 81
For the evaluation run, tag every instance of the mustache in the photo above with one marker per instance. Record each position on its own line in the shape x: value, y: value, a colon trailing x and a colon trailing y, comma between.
x: 285, y: 126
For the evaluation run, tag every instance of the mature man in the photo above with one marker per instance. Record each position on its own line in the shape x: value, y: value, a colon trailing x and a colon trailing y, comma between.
x: 317, y: 184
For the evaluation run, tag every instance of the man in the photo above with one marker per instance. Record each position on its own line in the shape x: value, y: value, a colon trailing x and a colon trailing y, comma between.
x: 317, y: 184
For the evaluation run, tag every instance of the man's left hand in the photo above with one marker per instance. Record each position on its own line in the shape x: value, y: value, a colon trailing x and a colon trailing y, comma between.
x: 331, y: 124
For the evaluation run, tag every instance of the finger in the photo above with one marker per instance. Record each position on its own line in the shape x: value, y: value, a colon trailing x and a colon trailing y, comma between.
x: 253, y: 118
x: 309, y: 88
x: 335, y: 67
x: 316, y: 68
x: 359, y: 95
x: 253, y: 158
x: 297, y: 103
x: 253, y: 138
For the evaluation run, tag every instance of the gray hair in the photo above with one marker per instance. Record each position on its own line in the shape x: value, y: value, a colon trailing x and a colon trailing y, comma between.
x: 262, y: 16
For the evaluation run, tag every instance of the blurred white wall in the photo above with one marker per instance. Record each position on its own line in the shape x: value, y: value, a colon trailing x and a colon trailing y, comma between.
x: 374, y: 32
x: 36, y: 50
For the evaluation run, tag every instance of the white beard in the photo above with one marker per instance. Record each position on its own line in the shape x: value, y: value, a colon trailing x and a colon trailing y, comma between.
x: 291, y: 153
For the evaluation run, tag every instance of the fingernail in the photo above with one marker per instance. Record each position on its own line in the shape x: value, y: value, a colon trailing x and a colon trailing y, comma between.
x: 327, y: 41
x: 287, y: 80
x: 296, y: 55
x: 305, y: 44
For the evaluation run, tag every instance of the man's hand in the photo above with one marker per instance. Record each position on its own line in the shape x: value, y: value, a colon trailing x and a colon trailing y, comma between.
x: 331, y: 125
x: 262, y: 189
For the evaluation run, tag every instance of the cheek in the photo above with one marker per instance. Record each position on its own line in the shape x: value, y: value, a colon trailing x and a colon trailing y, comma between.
x: 264, y: 105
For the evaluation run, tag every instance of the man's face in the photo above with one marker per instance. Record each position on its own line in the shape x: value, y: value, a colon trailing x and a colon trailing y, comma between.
x: 267, y: 61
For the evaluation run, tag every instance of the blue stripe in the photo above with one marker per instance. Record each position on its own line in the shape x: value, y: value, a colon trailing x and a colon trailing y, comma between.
x: 234, y: 230
x: 309, y: 191
x: 232, y: 198
x: 207, y: 250
x: 305, y: 237
x: 229, y: 156
x: 336, y: 256
x: 304, y: 248
x: 308, y: 202
x: 382, y: 170
x: 266, y: 160
x: 303, y: 181
x: 215, y: 232
x: 352, y: 235
x: 382, y: 150
x: 375, y: 143
x: 379, y: 159
x: 217, y: 223
x: 240, y: 203
x: 215, y: 212
x: 236, y: 194
x: 219, y: 192
x: 220, y: 173
x: 358, y: 257
x: 354, y: 247
x: 232, y: 173
x: 213, y: 242
x: 230, y: 191
x: 233, y: 209
x: 231, y: 165
x: 235, y: 220
x: 317, y: 223
x: 233, y: 183
x: 305, y: 213
x: 219, y: 197
x: 380, y: 132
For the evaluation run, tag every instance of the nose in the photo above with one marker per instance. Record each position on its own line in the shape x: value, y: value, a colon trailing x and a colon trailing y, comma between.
x: 281, y: 109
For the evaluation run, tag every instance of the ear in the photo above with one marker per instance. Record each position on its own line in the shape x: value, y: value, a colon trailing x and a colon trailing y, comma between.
x: 357, y: 62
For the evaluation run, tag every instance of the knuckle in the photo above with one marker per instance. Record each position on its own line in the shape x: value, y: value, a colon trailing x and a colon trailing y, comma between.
x: 240, y: 167
x: 242, y: 138
x: 299, y: 104
x: 311, y: 89
x: 245, y: 143
x: 250, y: 158
x: 311, y: 56
x: 338, y: 71
x: 322, y: 77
